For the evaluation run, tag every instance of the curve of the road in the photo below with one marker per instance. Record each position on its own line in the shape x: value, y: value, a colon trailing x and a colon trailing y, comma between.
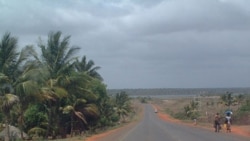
x: 152, y: 128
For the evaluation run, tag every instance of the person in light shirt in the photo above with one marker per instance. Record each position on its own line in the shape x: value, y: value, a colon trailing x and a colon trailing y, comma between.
x: 228, y: 121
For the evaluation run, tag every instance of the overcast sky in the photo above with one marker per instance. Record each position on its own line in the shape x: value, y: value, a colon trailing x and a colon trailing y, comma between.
x: 145, y: 43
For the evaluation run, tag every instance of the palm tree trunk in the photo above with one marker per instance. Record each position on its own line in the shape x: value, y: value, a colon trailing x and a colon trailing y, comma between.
x: 7, y: 135
x: 20, y: 122
x: 49, y: 123
x: 21, y: 127
x: 71, y: 125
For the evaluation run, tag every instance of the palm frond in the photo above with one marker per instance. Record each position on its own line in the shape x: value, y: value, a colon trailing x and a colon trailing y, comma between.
x: 68, y: 56
x: 91, y: 110
x: 8, y: 54
x: 37, y: 131
x: 60, y: 92
x: 68, y: 109
x: 81, y: 101
x: 27, y: 88
x: 9, y: 100
x: 81, y: 116
x: 3, y: 78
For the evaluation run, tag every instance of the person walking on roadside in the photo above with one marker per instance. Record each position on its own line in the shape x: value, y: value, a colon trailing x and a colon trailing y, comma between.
x: 228, y: 121
x: 217, y: 122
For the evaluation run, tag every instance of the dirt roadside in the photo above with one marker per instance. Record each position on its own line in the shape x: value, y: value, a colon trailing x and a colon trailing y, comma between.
x: 239, y: 130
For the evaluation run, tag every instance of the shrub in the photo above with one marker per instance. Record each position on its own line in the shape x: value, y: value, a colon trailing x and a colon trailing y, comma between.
x: 242, y: 114
x: 180, y: 115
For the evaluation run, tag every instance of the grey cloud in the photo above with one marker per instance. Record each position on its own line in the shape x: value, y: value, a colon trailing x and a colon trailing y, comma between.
x: 176, y: 16
x: 146, y: 43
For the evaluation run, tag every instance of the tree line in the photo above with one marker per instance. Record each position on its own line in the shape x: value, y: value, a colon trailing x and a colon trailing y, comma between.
x: 46, y: 91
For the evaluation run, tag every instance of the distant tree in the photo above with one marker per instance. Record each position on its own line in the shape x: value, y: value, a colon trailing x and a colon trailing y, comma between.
x: 143, y: 99
x: 227, y: 99
x: 191, y: 110
x: 240, y: 98
x: 224, y: 98
x: 194, y: 105
x: 187, y: 110
x: 122, y: 104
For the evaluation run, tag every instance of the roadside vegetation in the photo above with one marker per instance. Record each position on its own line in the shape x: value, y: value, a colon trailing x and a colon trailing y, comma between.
x: 47, y: 92
x: 144, y: 99
x: 203, y: 108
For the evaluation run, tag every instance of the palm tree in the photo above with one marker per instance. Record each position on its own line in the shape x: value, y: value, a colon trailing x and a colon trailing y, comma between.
x: 122, y: 102
x: 19, y: 82
x: 62, y: 82
x: 14, y: 67
x: 8, y: 61
x: 57, y: 55
x: 7, y: 102
x: 27, y: 88
x: 11, y: 63
x: 77, y: 109
x: 56, y: 60
x: 8, y: 55
x: 52, y: 97
x: 88, y: 67
x: 108, y: 114
x: 82, y: 98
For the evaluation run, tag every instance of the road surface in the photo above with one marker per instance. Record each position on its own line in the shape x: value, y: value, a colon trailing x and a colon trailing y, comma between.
x: 151, y: 128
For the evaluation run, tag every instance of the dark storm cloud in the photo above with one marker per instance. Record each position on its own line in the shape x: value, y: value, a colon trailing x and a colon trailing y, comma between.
x: 145, y: 43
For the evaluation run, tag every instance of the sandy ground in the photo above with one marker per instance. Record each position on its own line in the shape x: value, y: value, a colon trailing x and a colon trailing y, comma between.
x: 240, y: 130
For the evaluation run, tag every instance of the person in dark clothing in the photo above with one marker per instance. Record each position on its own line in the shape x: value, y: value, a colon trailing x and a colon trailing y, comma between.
x: 217, y: 122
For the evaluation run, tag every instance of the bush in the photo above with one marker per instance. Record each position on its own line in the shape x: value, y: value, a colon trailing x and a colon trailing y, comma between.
x: 194, y: 115
x: 169, y: 112
x: 143, y: 100
x: 115, y: 118
x: 180, y: 115
x: 242, y: 114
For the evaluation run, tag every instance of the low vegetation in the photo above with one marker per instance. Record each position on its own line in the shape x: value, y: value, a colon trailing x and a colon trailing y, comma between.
x: 203, y: 108
x: 144, y: 99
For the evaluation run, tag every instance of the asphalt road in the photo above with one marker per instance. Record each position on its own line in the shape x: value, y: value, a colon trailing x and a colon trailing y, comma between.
x: 151, y: 128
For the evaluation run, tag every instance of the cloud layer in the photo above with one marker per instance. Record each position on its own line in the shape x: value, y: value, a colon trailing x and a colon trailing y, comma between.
x: 145, y: 43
